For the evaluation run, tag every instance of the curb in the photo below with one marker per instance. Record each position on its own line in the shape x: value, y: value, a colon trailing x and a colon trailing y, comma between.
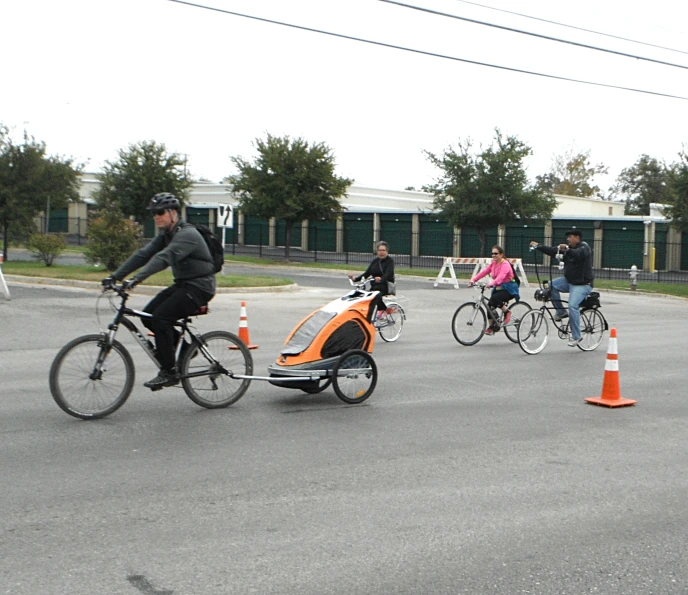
x: 141, y: 289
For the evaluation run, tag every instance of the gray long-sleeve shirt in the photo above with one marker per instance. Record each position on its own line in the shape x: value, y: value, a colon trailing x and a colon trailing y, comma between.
x: 183, y: 249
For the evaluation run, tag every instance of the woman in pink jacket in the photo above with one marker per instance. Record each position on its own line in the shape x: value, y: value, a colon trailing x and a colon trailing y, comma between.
x: 503, y: 285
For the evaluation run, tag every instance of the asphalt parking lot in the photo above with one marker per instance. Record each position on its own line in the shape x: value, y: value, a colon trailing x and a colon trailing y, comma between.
x: 469, y: 470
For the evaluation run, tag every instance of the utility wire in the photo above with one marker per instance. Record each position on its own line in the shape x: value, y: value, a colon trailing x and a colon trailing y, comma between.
x: 581, y: 45
x: 422, y: 52
x: 518, y: 14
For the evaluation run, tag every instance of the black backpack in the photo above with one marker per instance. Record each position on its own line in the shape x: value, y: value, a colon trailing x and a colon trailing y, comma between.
x: 214, y: 245
x: 515, y: 279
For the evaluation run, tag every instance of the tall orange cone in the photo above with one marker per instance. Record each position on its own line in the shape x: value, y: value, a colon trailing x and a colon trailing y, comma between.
x: 243, y: 328
x: 611, y: 393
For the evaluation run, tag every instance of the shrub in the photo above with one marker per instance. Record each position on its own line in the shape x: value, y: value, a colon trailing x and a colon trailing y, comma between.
x: 111, y: 239
x: 46, y: 246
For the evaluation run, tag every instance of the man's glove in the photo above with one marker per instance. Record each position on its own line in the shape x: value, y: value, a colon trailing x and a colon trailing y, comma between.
x: 108, y: 282
x: 129, y: 283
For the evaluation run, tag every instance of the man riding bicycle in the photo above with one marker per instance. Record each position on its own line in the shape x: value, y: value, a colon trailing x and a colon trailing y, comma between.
x: 181, y: 247
x: 577, y: 280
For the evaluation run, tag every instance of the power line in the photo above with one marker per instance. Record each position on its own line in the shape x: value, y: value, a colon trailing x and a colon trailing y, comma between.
x: 521, y: 32
x: 661, y: 47
x: 425, y: 53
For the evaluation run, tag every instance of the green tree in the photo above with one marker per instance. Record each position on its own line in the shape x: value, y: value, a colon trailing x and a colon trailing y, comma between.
x: 572, y: 174
x: 290, y: 180
x: 481, y: 191
x: 645, y: 182
x: 142, y: 170
x: 677, y: 210
x: 30, y: 179
x: 111, y: 239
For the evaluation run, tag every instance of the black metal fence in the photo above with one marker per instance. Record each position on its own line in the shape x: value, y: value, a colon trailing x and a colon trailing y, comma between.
x: 659, y: 261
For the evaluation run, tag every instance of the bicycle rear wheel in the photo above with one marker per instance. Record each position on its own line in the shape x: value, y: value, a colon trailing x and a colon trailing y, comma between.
x: 214, y: 387
x: 533, y: 332
x: 392, y: 324
x: 518, y: 311
x: 469, y: 323
x: 592, y: 325
x: 89, y: 382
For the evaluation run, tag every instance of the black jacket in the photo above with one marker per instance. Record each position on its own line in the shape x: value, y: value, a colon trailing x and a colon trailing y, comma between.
x: 379, y: 268
x: 577, y: 263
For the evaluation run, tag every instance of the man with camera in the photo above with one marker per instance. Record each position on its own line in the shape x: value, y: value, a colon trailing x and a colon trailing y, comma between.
x: 577, y: 280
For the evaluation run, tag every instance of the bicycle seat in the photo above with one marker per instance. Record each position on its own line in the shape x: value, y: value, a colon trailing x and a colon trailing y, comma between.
x: 201, y: 311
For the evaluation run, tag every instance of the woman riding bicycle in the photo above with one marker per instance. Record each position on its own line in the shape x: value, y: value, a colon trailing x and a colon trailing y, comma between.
x: 381, y: 269
x: 504, y: 288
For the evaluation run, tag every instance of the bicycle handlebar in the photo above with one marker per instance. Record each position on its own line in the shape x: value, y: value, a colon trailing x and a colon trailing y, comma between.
x: 361, y: 283
x: 118, y: 289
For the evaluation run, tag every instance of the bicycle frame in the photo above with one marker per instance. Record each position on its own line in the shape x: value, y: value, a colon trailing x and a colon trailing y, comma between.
x: 482, y: 300
x: 121, y: 318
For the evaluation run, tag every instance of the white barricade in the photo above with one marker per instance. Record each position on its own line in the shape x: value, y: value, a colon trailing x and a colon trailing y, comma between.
x: 3, y: 284
x: 480, y: 263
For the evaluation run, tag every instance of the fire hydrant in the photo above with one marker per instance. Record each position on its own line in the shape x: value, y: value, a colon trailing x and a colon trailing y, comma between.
x: 634, y: 277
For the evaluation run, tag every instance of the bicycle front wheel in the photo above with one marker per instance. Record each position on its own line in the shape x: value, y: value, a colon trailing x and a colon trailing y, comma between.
x: 469, y: 323
x: 90, y: 381
x: 208, y: 382
x: 392, y: 324
x: 533, y: 332
x: 518, y: 311
x: 592, y: 325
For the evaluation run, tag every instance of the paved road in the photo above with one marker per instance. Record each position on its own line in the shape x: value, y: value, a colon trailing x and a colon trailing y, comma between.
x: 469, y: 471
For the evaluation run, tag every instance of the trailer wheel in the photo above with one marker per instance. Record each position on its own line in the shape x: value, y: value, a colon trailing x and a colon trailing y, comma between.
x: 354, y: 376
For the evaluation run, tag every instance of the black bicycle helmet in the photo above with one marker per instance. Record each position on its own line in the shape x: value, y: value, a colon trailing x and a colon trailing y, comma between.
x: 164, y: 200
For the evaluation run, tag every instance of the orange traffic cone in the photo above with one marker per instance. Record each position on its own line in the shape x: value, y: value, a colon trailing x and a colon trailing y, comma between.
x: 243, y: 328
x: 611, y: 394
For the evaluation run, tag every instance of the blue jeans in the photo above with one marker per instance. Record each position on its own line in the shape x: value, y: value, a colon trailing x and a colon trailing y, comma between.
x: 577, y: 293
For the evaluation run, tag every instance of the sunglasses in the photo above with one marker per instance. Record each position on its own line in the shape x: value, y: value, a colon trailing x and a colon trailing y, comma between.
x: 159, y: 212
x: 495, y: 254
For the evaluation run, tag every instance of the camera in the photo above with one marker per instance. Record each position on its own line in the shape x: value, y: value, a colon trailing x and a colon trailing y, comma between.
x: 543, y: 295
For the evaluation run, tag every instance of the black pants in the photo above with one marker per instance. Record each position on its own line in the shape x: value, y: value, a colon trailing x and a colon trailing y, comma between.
x: 377, y: 301
x: 171, y: 304
x: 499, y: 298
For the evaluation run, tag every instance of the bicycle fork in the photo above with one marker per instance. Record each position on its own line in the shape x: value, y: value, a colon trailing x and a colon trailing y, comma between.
x: 105, y: 347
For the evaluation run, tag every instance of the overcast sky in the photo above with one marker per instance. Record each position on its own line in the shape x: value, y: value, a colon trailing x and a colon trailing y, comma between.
x: 89, y: 77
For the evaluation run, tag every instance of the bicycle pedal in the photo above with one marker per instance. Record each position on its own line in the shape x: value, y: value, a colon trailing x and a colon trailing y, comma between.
x: 156, y: 388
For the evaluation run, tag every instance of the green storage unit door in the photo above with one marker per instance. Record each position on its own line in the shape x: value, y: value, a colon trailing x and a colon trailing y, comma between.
x: 623, y: 244
x: 470, y: 244
x: 256, y: 231
x: 358, y: 232
x: 518, y: 238
x: 58, y: 221
x: 396, y: 230
x: 281, y: 234
x: 196, y: 215
x: 149, y: 229
x: 230, y: 233
x: 661, y: 232
x: 436, y: 237
x: 322, y: 236
x: 561, y: 226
